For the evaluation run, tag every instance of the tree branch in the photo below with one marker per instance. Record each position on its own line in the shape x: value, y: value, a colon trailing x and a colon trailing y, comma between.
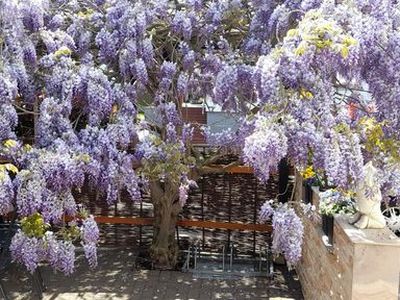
x: 27, y: 112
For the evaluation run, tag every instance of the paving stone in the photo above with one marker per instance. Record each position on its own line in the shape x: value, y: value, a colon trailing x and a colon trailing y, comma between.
x: 115, y: 279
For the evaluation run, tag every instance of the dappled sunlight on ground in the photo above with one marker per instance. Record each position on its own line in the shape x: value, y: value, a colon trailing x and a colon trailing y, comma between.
x: 116, y: 278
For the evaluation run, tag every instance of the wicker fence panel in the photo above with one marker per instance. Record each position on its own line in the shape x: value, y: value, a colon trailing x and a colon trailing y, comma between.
x: 219, y: 197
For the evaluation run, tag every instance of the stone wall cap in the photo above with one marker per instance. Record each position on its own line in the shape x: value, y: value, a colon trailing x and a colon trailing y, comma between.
x: 382, y: 236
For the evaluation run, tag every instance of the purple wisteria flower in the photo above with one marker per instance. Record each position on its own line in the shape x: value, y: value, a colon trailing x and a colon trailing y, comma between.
x: 6, y: 193
x: 287, y: 234
x: 26, y: 250
x: 183, y: 194
x: 90, y: 250
x: 31, y: 189
x: 90, y: 237
x: 265, y: 148
x: 66, y: 257
x: 167, y: 70
x: 182, y: 84
x: 225, y: 85
x: 89, y: 230
x: 266, y: 212
x: 311, y: 80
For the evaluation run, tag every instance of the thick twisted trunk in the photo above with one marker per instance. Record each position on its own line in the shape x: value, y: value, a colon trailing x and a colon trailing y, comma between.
x: 164, y: 248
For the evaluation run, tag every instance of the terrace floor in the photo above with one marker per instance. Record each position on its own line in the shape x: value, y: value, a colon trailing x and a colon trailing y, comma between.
x: 117, y: 277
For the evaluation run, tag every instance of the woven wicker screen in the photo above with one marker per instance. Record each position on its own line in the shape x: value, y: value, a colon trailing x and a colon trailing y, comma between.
x: 219, y: 197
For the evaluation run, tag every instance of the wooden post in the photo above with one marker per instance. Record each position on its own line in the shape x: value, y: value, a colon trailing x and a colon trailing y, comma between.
x: 255, y: 213
x: 140, y: 226
x: 116, y: 214
x: 229, y: 207
x: 202, y: 211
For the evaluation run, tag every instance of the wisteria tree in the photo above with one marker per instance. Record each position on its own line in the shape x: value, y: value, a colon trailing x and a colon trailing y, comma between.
x: 314, y: 81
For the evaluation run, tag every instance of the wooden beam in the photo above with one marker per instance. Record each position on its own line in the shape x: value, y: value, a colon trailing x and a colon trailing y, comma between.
x: 237, y: 169
x: 124, y: 220
x: 240, y: 170
x: 225, y: 225
x: 187, y: 223
x: 231, y: 169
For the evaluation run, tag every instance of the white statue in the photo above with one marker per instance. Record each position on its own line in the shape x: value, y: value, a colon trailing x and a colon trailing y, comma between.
x: 368, y: 201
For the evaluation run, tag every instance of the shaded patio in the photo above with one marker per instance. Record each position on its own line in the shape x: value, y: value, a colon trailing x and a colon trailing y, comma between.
x: 117, y: 277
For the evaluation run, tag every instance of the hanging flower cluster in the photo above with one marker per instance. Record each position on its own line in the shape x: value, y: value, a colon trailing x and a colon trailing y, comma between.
x: 268, y: 142
x: 35, y: 243
x: 76, y: 76
x: 288, y: 230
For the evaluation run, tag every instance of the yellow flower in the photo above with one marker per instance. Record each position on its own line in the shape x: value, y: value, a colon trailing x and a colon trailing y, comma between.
x: 323, y: 43
x: 305, y: 94
x: 349, y: 41
x: 63, y: 51
x: 10, y: 143
x: 27, y: 147
x: 350, y: 194
x: 341, y: 127
x: 140, y: 116
x: 85, y: 15
x: 83, y: 157
x: 344, y: 51
x: 277, y: 52
x: 9, y: 167
x: 12, y: 168
x: 292, y: 32
x: 301, y: 48
x: 308, y: 172
x: 34, y: 225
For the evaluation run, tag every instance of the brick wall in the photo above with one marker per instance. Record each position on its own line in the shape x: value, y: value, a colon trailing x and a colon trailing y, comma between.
x: 325, y: 273
x: 361, y: 264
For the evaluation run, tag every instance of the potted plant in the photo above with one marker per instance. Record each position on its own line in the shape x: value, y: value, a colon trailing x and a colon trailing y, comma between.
x: 333, y: 202
x: 309, y: 181
x: 314, y: 178
x: 323, y: 182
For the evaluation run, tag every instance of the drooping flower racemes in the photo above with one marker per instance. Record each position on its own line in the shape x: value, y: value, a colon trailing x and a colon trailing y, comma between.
x: 34, y: 243
x: 74, y: 75
x: 288, y: 230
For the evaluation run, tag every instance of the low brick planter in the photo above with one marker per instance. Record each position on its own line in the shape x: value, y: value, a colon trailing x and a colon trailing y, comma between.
x: 360, y: 264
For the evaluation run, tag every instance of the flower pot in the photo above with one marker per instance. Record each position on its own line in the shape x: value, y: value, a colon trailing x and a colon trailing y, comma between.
x: 307, y: 192
x: 324, y: 188
x: 327, y: 226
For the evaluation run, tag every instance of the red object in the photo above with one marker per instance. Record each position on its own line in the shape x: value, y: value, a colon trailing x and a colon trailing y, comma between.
x: 352, y: 109
x: 198, y: 117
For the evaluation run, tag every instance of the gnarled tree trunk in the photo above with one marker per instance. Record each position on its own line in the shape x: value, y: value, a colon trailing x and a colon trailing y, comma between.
x: 164, y: 248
